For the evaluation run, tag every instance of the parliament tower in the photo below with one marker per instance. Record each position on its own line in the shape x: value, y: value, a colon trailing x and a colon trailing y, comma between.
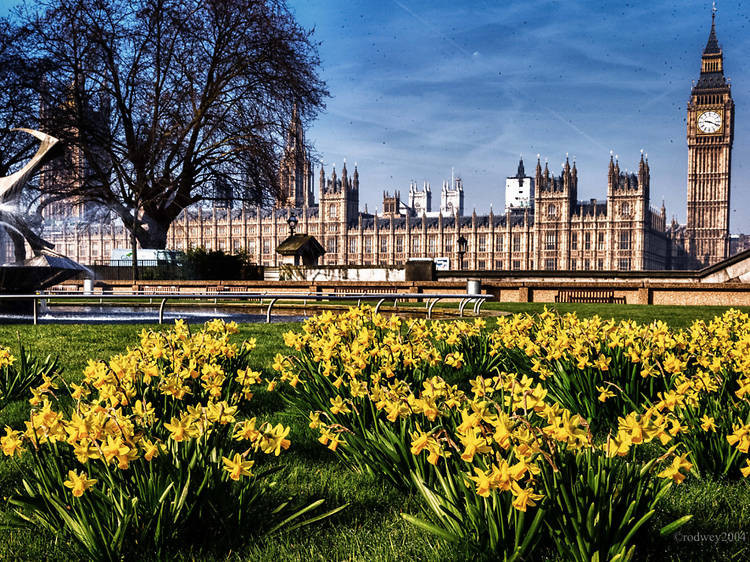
x: 710, y: 131
x: 296, y: 170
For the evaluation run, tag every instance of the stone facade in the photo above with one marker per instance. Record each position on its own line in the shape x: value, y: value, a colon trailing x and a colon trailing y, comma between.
x: 704, y: 240
x: 558, y: 233
x: 75, y: 168
x: 555, y: 231
x: 296, y: 181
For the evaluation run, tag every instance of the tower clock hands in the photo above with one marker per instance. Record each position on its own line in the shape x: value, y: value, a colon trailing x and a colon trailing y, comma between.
x: 709, y: 121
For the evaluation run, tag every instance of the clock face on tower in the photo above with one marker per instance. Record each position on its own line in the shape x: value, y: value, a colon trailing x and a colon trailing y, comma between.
x: 709, y: 122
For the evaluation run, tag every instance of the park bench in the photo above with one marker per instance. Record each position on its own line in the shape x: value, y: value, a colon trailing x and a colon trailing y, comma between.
x: 360, y: 290
x: 158, y: 290
x: 240, y: 289
x: 588, y: 296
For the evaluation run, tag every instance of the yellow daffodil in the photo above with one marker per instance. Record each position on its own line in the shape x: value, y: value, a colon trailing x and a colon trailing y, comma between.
x: 673, y: 470
x: 237, y: 467
x: 604, y: 393
x: 707, y: 423
x: 12, y: 442
x: 274, y: 439
x: 78, y: 483
x: 338, y: 406
x: 524, y: 497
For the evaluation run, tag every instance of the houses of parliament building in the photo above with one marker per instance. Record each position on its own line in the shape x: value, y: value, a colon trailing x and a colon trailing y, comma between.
x: 544, y: 225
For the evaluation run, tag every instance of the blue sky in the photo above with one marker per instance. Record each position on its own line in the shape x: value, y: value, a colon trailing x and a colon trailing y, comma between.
x: 420, y: 86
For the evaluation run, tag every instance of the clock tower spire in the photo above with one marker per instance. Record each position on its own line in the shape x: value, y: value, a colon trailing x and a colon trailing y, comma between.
x: 710, y: 132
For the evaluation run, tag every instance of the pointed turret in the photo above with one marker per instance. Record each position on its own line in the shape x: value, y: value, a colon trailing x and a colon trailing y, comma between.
x: 295, y: 125
x: 712, y: 46
x: 712, y: 62
x: 521, y: 172
x: 344, y: 177
x: 642, y: 169
x: 538, y: 182
x: 296, y: 181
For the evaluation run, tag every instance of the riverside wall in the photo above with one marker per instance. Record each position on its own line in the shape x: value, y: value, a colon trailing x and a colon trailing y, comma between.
x: 663, y: 292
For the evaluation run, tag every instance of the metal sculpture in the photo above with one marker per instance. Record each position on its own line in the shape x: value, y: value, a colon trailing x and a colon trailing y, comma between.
x: 12, y: 185
x: 47, y: 267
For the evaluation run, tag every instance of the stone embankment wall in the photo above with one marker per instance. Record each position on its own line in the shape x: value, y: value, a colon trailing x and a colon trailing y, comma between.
x: 633, y: 292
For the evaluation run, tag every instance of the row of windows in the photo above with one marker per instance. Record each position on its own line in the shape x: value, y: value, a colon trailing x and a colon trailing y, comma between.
x: 416, y: 244
x: 623, y: 207
x: 550, y: 242
x: 623, y: 264
x: 432, y: 244
x: 601, y: 243
x: 550, y: 264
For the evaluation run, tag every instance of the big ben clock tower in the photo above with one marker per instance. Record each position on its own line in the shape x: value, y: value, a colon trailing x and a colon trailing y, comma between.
x: 710, y: 131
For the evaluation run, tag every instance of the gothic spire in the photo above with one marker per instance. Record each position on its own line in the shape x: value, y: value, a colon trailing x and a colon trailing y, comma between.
x: 712, y: 62
x: 295, y: 132
x: 712, y: 46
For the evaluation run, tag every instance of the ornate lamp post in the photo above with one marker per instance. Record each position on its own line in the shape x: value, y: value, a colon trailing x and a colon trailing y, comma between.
x: 462, y: 246
x: 292, y: 222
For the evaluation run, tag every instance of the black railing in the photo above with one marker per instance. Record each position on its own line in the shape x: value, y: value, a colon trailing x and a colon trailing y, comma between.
x: 158, y: 270
x: 122, y: 270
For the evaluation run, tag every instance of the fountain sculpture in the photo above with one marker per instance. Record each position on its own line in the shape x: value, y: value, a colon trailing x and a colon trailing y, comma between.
x: 47, y: 267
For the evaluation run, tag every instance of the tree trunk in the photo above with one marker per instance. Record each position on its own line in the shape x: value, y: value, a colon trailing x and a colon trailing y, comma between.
x: 134, y: 255
x: 154, y: 227
x: 153, y: 235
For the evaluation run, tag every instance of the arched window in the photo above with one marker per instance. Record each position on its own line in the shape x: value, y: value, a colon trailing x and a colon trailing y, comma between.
x: 551, y: 211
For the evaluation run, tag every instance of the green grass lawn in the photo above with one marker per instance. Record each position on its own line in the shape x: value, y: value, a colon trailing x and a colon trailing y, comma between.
x: 370, y: 528
x: 676, y: 316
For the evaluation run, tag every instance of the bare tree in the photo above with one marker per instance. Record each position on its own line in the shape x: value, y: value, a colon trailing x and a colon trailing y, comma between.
x: 165, y: 98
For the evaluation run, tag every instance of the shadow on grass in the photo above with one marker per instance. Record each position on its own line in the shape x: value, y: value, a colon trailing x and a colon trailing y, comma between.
x: 719, y: 530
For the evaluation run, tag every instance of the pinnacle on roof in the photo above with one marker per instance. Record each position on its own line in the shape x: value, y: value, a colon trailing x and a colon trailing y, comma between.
x: 712, y: 46
x: 712, y: 66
